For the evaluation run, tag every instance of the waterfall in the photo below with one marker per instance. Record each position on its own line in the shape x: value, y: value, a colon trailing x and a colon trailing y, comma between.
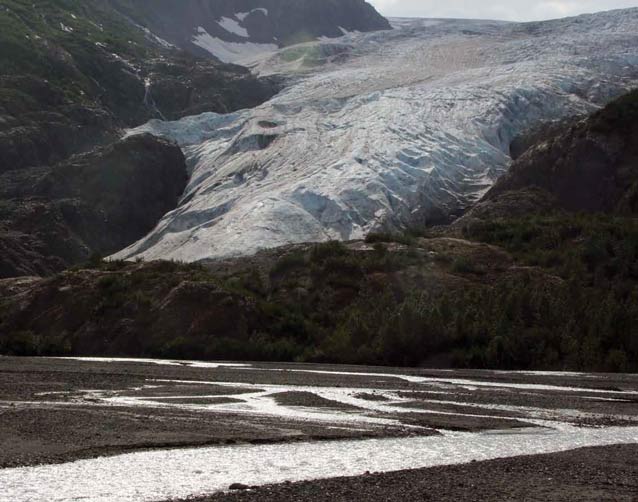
x: 148, y: 98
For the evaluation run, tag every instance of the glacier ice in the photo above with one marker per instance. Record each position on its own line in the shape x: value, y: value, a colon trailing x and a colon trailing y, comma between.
x: 382, y: 130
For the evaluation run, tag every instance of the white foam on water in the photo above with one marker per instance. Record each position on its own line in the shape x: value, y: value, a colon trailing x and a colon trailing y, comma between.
x: 462, y: 382
x: 161, y: 362
x: 166, y: 474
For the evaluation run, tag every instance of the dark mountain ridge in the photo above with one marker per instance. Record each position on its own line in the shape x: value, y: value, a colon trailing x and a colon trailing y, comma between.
x: 591, y: 165
x: 97, y: 202
x: 278, y: 22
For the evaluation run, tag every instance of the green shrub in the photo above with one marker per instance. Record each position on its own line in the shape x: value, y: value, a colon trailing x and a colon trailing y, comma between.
x: 325, y: 250
x: 20, y: 343
x: 406, y: 239
x: 287, y: 263
x: 463, y: 265
x: 27, y: 343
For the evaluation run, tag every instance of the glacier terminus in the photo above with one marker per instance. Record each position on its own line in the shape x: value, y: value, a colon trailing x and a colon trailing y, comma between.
x: 382, y: 130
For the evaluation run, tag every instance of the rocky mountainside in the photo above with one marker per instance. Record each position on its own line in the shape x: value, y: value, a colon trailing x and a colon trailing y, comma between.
x: 524, y: 281
x: 73, y: 75
x: 590, y: 166
x: 239, y: 30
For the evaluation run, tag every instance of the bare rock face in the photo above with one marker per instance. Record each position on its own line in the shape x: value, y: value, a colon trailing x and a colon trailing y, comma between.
x: 185, y: 85
x: 97, y: 202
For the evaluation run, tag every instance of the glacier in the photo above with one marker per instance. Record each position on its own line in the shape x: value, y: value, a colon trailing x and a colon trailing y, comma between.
x: 382, y: 130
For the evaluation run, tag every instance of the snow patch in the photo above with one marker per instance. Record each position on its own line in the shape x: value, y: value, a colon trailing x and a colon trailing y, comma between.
x: 243, y: 15
x: 232, y: 26
x: 346, y: 32
x: 231, y: 52
x: 152, y: 36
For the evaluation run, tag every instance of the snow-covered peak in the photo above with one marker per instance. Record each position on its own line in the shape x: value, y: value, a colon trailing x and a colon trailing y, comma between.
x: 384, y: 129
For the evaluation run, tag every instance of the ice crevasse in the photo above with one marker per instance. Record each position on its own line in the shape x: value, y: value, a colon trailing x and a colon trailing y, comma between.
x: 382, y: 130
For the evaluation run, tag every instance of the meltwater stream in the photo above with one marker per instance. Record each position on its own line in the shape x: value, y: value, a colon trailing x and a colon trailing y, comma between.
x: 179, y: 473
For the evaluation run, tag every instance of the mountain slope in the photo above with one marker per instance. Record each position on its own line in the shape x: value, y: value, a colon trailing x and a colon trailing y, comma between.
x: 239, y: 30
x: 93, y: 203
x: 73, y: 74
x: 385, y: 130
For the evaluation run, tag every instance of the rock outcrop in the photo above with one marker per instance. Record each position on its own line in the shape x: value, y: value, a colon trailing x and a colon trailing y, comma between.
x: 93, y: 203
x: 588, y: 165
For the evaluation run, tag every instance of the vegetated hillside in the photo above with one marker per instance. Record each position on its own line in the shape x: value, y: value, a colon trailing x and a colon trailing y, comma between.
x: 555, y: 287
x: 72, y: 75
x: 256, y: 24
x: 437, y: 301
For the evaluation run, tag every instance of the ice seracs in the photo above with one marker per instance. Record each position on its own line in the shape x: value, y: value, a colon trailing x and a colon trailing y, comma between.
x: 382, y: 130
